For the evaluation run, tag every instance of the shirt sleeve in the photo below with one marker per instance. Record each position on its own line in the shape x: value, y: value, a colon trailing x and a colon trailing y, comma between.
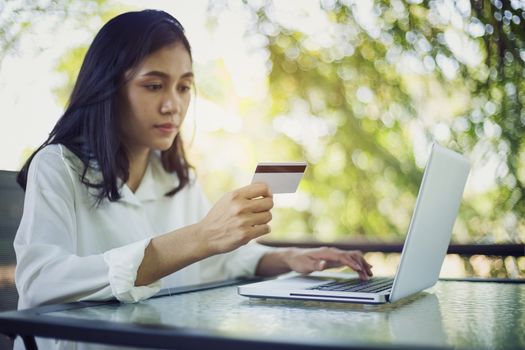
x: 49, y: 269
x: 242, y: 262
x: 123, y: 264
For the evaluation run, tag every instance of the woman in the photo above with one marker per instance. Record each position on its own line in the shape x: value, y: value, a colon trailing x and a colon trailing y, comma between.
x: 112, y: 209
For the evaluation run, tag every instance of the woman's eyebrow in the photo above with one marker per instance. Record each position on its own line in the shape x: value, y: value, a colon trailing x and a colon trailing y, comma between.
x: 156, y: 73
x: 187, y: 75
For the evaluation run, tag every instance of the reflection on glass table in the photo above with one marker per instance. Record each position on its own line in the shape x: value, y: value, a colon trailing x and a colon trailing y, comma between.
x: 451, y: 314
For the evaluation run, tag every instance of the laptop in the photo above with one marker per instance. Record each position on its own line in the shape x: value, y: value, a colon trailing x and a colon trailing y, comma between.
x: 423, y: 253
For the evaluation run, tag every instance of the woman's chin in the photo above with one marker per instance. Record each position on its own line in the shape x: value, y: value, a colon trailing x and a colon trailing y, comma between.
x: 163, y: 146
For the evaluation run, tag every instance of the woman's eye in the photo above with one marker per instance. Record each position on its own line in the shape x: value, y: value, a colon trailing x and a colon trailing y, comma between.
x: 153, y: 87
x: 185, y: 88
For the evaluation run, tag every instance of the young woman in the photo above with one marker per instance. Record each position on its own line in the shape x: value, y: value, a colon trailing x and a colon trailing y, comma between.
x: 112, y: 209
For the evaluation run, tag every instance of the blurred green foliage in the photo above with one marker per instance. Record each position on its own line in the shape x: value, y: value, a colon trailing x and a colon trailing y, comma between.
x: 379, y: 78
x: 20, y: 16
x: 361, y: 96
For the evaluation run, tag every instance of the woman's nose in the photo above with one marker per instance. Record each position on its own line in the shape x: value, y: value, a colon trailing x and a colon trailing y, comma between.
x: 171, y: 104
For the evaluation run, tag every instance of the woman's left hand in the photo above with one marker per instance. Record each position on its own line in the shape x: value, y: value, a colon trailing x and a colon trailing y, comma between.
x: 318, y: 259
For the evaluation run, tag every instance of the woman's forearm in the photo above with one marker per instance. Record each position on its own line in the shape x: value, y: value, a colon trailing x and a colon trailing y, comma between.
x: 274, y: 263
x: 171, y: 252
x: 237, y: 218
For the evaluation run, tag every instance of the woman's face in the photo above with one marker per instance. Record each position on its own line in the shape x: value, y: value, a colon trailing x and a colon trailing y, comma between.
x: 154, y: 102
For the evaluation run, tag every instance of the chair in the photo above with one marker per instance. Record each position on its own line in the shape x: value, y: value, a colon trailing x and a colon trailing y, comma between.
x: 11, y: 205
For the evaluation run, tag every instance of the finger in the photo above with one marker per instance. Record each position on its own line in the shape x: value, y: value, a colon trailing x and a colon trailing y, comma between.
x: 358, y: 258
x: 335, y: 256
x: 363, y: 276
x: 326, y: 253
x: 362, y: 272
x: 320, y: 265
x: 259, y: 205
x: 364, y: 264
x: 354, y: 265
x: 254, y: 219
x: 368, y: 267
x: 258, y: 189
x: 258, y: 231
x: 335, y: 263
x: 356, y: 261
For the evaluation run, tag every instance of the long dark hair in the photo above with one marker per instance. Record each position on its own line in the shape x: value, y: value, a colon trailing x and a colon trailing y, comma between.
x: 89, y: 126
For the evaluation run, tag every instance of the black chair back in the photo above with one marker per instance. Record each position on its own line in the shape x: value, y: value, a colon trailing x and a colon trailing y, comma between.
x: 11, y: 205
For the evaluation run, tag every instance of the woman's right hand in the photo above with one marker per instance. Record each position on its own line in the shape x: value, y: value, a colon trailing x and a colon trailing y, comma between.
x: 237, y: 218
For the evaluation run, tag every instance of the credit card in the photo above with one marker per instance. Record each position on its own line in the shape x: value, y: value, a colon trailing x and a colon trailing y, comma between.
x: 280, y: 177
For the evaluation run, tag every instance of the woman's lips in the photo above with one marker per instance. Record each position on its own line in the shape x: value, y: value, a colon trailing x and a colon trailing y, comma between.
x: 166, y: 128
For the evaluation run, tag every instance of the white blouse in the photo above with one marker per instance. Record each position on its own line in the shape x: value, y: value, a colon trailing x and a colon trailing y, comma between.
x: 70, y: 249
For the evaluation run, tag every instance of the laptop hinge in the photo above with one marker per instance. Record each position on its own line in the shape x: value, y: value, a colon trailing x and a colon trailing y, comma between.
x: 329, y: 296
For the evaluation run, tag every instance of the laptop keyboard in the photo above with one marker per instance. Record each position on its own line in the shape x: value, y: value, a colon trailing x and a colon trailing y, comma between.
x: 375, y: 285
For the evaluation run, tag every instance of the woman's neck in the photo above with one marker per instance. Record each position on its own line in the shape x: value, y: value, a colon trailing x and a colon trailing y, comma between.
x: 138, y: 163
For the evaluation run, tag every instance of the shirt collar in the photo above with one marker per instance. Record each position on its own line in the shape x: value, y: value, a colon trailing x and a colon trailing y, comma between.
x: 155, y: 183
x: 148, y: 188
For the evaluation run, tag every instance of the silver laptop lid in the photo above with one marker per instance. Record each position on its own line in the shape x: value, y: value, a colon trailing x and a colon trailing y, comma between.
x: 431, y: 225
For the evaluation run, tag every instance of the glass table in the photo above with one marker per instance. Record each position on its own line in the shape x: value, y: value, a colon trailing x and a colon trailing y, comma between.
x: 452, y: 314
